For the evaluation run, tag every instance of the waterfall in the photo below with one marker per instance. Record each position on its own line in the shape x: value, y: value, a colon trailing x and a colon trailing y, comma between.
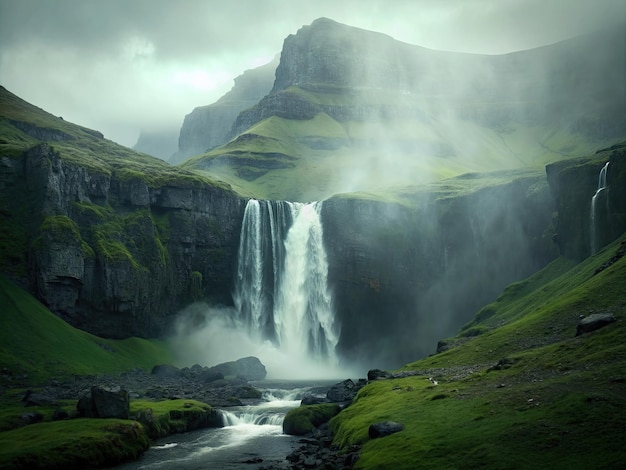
x: 281, y: 292
x: 602, y: 188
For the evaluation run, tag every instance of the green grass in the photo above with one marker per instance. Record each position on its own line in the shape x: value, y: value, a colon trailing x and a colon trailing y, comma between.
x: 87, y: 148
x: 35, y: 342
x: 557, y: 401
x: 306, y: 418
x: 161, y: 418
x: 77, y: 443
x: 321, y: 156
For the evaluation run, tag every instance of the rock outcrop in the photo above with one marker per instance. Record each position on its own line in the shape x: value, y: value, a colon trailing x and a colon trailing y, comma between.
x: 114, y: 252
x: 573, y: 184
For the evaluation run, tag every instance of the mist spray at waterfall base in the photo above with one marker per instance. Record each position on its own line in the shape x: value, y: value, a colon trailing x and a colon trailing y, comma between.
x: 283, y: 312
x: 209, y: 336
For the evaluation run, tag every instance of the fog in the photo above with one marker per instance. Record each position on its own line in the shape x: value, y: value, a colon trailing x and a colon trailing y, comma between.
x: 209, y: 335
x: 122, y: 66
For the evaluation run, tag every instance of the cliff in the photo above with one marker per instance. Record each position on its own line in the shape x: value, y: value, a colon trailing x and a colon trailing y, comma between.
x: 112, y: 241
x: 208, y: 126
x: 574, y: 184
x: 352, y: 109
x: 405, y: 275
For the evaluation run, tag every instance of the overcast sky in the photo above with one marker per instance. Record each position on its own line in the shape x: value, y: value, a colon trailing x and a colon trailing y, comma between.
x: 120, y: 66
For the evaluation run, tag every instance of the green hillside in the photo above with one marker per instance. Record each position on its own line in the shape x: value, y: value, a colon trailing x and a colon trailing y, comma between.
x: 23, y: 125
x: 35, y: 342
x: 516, y: 388
x: 308, y: 159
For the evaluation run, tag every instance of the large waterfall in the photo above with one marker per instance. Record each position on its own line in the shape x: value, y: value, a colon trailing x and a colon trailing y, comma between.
x: 594, y: 215
x: 281, y: 293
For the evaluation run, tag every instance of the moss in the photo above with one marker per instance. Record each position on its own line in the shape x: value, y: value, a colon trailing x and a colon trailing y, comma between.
x: 78, y: 443
x: 555, y: 400
x: 172, y: 416
x: 13, y: 246
x: 36, y: 345
x: 306, y: 418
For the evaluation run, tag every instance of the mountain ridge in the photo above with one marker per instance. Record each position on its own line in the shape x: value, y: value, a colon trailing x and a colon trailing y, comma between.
x: 342, y: 104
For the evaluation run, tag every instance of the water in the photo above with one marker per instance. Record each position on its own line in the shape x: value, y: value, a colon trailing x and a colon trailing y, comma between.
x: 252, y: 437
x: 602, y: 188
x: 281, y: 292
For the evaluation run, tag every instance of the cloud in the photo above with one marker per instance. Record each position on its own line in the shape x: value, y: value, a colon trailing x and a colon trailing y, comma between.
x: 122, y: 65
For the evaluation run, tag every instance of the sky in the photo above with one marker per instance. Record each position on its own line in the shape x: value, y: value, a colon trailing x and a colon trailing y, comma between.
x: 122, y: 66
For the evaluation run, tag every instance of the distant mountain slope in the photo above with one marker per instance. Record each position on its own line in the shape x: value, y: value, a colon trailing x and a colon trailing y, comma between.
x: 354, y: 110
x: 209, y: 126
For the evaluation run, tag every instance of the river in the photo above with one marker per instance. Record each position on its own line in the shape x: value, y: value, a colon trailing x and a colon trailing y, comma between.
x: 252, y: 437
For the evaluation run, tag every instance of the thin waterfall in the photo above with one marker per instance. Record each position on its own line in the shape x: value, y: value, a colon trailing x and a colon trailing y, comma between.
x: 281, y: 292
x: 602, y: 188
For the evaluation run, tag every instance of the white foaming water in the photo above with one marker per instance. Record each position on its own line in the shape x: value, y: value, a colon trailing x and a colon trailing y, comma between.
x: 594, y: 209
x: 281, y: 292
x: 303, y: 317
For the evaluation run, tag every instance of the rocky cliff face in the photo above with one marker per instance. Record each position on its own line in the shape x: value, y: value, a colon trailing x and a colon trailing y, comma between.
x: 115, y: 255
x: 574, y: 184
x: 574, y: 83
x: 209, y: 126
x: 404, y: 277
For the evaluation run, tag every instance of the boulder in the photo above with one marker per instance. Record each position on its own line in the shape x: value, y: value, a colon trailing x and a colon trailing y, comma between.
x: 384, y: 428
x: 102, y: 403
x: 377, y: 374
x: 38, y: 399
x: 210, y: 375
x: 247, y: 368
x: 166, y: 371
x: 342, y: 391
x: 594, y: 322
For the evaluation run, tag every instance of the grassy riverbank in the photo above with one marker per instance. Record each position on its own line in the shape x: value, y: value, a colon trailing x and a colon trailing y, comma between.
x: 516, y: 388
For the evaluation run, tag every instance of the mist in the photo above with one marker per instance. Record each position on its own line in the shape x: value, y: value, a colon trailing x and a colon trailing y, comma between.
x: 121, y: 67
x: 208, y: 335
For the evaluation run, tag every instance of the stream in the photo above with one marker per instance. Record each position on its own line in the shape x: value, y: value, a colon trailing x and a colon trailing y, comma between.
x: 252, y: 436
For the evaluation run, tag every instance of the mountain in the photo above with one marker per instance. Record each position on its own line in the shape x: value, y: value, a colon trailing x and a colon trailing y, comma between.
x: 161, y: 144
x: 354, y: 110
x: 208, y: 126
x: 117, y: 243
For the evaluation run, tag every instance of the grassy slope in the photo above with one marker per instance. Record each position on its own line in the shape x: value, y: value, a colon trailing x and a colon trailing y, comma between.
x: 84, y: 146
x: 558, y: 403
x: 376, y: 155
x: 34, y: 341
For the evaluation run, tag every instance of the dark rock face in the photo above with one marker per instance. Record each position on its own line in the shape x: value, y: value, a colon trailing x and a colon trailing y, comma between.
x: 402, y: 278
x: 384, y: 428
x: 209, y: 126
x: 102, y: 403
x: 327, y: 56
x: 118, y: 256
x: 573, y: 184
x: 342, y: 392
x: 594, y: 322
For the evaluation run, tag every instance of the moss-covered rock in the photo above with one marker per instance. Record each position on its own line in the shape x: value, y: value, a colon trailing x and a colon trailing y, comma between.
x: 306, y: 418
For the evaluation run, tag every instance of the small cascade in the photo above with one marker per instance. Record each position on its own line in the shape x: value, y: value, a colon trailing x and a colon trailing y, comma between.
x: 281, y: 293
x: 253, y: 417
x: 594, y: 215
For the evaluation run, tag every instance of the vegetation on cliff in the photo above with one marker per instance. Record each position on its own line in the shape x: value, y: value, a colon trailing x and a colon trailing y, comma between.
x: 36, y: 345
x: 516, y: 387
